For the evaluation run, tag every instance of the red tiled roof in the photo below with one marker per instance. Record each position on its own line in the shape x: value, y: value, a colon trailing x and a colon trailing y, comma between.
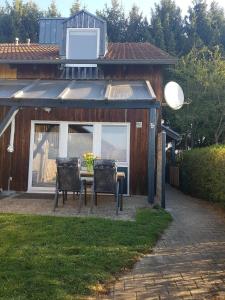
x: 135, y: 51
x: 28, y: 52
x: 116, y: 51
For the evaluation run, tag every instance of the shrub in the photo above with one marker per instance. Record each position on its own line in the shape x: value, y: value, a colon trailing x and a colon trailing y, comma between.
x: 203, y: 173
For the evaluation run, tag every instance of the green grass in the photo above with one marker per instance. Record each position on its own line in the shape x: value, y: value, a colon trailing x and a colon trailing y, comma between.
x: 44, y: 257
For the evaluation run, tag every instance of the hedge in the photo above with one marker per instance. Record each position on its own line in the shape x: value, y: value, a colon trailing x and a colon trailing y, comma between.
x: 203, y: 173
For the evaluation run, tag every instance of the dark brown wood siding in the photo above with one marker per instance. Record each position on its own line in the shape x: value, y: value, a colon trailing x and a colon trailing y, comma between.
x: 20, y: 157
x: 138, y: 138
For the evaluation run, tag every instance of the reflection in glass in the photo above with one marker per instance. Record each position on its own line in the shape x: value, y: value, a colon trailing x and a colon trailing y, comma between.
x: 114, y: 142
x: 80, y: 140
x: 45, y: 151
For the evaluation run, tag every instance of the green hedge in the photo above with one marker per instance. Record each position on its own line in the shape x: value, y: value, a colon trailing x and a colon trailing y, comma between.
x: 203, y: 173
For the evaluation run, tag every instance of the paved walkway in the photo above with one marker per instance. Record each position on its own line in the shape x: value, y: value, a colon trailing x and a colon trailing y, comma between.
x: 189, y: 260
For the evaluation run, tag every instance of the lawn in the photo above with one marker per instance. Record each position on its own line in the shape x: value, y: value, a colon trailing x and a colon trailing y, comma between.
x: 43, y: 257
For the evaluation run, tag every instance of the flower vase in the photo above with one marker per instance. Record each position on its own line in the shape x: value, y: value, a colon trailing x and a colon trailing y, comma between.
x: 90, y: 168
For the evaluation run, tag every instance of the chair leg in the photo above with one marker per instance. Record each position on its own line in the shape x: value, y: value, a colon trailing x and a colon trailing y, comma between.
x: 56, y: 199
x: 117, y: 199
x: 92, y: 201
x: 85, y: 193
x: 96, y: 199
x: 80, y: 202
x: 63, y: 195
x: 121, y: 202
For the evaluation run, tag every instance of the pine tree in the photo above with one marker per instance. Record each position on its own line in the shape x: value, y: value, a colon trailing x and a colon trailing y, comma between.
x: 75, y: 7
x: 52, y: 10
x: 116, y: 21
x: 167, y: 27
x: 198, y: 25
x: 137, y: 27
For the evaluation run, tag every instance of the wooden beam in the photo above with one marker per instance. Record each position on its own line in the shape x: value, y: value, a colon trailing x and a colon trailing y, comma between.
x: 8, y: 119
x: 151, y: 155
x: 161, y: 168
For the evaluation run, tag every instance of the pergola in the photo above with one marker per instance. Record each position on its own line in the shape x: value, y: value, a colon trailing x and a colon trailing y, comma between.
x: 111, y: 94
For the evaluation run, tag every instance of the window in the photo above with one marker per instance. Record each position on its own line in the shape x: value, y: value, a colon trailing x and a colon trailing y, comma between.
x: 114, y: 142
x: 80, y: 140
x: 51, y: 139
x: 82, y: 43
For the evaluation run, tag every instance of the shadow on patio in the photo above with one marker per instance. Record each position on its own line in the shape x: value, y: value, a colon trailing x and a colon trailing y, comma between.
x: 42, y: 204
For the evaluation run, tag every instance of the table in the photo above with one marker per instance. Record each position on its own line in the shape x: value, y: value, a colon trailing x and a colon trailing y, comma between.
x: 87, y: 178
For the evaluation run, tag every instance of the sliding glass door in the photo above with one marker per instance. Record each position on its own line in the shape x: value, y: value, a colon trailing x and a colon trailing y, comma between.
x: 45, y: 151
x: 66, y: 139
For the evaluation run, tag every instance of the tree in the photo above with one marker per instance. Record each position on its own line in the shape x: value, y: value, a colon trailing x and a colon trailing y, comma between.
x: 167, y: 27
x: 29, y: 22
x: 116, y: 21
x: 137, y: 27
x: 198, y: 27
x: 52, y: 10
x: 202, y: 75
x: 75, y: 7
x: 217, y: 20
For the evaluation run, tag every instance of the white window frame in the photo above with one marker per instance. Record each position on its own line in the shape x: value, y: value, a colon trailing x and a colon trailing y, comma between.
x: 97, y: 30
x: 63, y: 144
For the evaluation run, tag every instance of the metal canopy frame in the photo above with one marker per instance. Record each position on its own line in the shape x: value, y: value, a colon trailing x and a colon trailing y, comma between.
x: 17, y: 101
x: 161, y: 61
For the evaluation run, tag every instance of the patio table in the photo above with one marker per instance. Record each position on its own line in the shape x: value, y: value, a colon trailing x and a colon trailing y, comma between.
x: 87, y: 178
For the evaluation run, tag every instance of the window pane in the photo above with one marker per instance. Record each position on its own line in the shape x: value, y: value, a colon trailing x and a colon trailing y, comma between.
x: 80, y: 140
x: 114, y: 142
x: 46, y: 147
x: 82, y: 44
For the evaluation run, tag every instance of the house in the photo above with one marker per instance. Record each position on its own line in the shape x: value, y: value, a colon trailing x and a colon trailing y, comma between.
x: 75, y: 92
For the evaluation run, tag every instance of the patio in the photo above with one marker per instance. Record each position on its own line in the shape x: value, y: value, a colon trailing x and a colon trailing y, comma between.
x: 42, y: 204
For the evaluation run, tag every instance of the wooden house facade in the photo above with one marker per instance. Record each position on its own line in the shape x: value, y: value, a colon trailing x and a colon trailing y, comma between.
x: 121, y: 133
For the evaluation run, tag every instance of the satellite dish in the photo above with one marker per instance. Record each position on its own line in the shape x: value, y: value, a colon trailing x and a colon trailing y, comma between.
x: 174, y: 95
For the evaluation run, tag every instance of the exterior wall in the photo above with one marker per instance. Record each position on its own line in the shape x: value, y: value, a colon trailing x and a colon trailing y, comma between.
x: 51, y: 30
x: 7, y: 72
x: 20, y: 158
x: 138, y: 139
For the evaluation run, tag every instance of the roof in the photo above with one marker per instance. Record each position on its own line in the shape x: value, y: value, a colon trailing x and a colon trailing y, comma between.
x: 135, y: 51
x: 80, y: 90
x: 118, y: 53
x: 28, y: 52
x: 95, y: 93
x: 86, y: 12
x: 171, y: 133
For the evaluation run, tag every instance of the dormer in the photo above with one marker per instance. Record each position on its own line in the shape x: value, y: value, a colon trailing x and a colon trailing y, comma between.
x: 84, y: 37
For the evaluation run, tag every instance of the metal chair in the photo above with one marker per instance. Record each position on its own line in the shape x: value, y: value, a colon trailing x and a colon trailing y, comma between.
x: 105, y: 180
x: 68, y: 179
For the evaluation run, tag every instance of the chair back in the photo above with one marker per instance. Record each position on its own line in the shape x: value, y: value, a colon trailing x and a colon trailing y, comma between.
x: 68, y: 174
x: 105, y: 176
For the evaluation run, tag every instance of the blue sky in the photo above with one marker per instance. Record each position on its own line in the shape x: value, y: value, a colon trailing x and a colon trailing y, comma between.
x: 92, y: 5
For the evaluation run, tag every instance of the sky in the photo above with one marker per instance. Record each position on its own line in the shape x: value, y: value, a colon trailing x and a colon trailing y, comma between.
x: 93, y: 5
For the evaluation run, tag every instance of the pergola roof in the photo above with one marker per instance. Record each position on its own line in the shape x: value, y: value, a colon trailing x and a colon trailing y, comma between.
x: 80, y: 93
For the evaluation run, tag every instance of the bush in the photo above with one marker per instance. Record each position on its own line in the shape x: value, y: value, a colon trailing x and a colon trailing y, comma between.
x: 203, y: 173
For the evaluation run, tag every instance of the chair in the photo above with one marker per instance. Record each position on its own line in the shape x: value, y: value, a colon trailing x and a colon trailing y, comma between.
x: 105, y: 180
x: 68, y: 179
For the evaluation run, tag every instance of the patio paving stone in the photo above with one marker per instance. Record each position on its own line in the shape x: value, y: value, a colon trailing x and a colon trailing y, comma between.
x: 42, y: 204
